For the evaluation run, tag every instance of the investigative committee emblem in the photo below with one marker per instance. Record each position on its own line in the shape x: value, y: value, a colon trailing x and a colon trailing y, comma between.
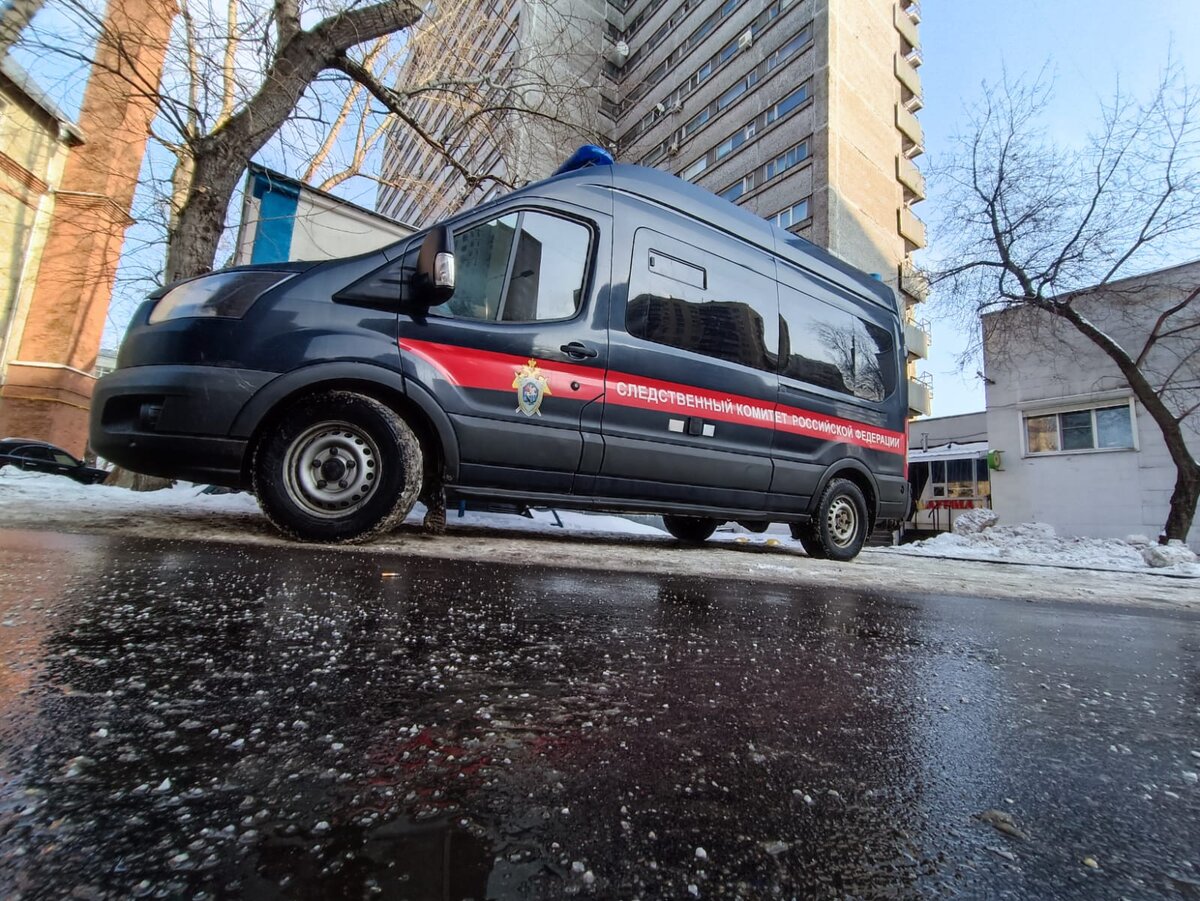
x: 532, y: 385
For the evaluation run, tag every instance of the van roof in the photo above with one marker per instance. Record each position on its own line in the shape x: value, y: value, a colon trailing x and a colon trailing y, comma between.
x: 696, y: 202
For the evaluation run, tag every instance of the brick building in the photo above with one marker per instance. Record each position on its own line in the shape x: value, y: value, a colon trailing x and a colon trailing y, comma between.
x: 57, y: 318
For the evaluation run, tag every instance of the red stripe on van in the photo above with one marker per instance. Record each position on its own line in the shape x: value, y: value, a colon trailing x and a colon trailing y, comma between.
x: 472, y: 368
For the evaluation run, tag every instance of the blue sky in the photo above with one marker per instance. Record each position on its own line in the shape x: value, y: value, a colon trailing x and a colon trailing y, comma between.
x: 1088, y: 47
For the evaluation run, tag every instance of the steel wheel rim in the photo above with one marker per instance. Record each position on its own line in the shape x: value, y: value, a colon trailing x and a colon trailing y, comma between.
x: 332, y: 469
x: 842, y: 521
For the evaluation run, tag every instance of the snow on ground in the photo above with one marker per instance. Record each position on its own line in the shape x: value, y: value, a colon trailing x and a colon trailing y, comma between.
x: 980, y: 565
x: 1037, y: 543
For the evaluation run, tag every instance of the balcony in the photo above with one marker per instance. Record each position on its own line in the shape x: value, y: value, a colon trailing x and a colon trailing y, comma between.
x: 916, y: 340
x: 920, y: 396
x: 912, y: 10
x: 912, y: 229
x: 911, y: 128
x: 914, y: 282
x: 910, y: 176
x: 907, y: 74
x: 906, y: 26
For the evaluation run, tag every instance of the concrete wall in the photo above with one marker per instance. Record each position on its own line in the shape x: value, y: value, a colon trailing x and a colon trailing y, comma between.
x: 1039, y: 366
x: 857, y: 182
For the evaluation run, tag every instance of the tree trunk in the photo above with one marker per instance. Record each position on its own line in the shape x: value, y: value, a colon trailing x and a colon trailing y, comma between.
x: 201, y: 216
x: 1183, y: 502
x: 1187, y: 471
x: 221, y: 157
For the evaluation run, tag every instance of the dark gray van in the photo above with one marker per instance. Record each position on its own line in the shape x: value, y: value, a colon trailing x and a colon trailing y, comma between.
x: 612, y: 338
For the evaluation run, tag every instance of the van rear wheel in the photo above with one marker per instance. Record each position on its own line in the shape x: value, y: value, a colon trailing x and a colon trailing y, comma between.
x: 338, y: 467
x: 839, y: 525
x: 692, y: 529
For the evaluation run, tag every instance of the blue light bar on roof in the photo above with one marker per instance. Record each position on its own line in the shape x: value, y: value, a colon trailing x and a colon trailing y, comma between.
x: 587, y: 155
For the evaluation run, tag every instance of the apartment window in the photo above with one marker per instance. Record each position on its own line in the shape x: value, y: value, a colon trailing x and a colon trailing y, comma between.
x: 736, y: 91
x: 655, y: 155
x: 801, y: 39
x: 787, y: 160
x: 695, y: 169
x: 788, y: 103
x: 667, y: 27
x: 763, y: 174
x: 752, y: 128
x: 793, y: 215
x: 1084, y: 429
x: 735, y: 190
x: 734, y: 141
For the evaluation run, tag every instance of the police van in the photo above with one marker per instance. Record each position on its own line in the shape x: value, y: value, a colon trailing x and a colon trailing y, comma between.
x: 612, y: 338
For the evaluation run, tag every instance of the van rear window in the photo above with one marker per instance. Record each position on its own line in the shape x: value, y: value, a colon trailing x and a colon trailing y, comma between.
x: 832, y: 348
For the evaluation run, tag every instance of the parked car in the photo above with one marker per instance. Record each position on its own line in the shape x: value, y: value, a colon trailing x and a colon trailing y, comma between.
x: 39, y: 456
x: 612, y: 338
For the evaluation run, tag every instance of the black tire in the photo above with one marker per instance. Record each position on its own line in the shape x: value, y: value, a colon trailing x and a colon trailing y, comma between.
x: 692, y: 529
x: 840, y: 523
x: 338, y: 467
x: 803, y: 532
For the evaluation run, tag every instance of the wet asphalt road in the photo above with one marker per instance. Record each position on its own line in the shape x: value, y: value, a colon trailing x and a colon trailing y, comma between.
x: 199, y: 720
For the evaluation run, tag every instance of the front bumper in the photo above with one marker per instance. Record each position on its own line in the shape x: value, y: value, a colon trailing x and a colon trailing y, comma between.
x: 175, y: 421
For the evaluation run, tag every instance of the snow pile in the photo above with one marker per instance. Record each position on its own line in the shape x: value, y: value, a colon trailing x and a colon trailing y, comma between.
x: 1037, y: 543
x: 1163, y: 556
x: 976, y: 520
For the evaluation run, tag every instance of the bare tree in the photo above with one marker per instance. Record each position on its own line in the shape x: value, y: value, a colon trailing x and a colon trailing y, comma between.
x: 254, y: 73
x: 1054, y: 232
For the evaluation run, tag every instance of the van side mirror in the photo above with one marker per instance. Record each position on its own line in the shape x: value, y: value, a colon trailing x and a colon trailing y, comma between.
x: 433, y: 282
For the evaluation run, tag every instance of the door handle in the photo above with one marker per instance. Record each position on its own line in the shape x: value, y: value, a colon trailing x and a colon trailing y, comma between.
x: 579, y: 350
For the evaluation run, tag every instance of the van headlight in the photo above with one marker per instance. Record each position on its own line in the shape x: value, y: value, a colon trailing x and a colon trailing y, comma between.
x: 223, y: 294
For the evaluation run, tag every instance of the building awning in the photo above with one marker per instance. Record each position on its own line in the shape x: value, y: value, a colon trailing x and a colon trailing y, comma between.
x: 972, y: 450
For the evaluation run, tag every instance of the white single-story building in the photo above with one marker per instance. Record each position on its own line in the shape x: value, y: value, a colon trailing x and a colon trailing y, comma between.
x: 1078, y: 451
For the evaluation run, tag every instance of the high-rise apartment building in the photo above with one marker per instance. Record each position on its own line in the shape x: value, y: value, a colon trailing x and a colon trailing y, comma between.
x: 490, y: 57
x: 803, y: 111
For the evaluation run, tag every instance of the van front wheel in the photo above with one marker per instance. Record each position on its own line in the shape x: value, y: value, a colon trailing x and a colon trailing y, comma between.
x: 692, y: 529
x: 338, y: 467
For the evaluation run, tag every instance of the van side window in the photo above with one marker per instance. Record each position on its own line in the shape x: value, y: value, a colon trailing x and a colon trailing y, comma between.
x: 522, y: 267
x: 834, y: 349
x: 481, y: 256
x: 719, y: 309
